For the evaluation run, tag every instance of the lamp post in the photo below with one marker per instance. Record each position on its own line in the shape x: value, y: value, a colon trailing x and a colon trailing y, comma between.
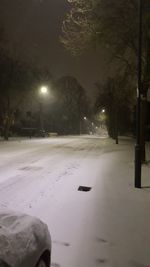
x: 82, y: 128
x: 138, y: 104
x: 43, y: 91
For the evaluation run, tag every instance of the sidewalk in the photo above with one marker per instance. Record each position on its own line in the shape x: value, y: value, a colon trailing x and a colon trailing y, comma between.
x: 110, y: 225
x: 123, y: 222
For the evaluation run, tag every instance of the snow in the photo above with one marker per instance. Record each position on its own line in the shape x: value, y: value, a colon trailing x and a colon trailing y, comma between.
x: 23, y: 238
x: 108, y: 226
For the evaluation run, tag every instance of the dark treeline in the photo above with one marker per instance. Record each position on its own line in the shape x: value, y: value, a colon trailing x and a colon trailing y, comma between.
x: 63, y: 107
x: 113, y: 27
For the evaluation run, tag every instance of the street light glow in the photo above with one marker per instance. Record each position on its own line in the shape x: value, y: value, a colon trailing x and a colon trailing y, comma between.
x: 43, y: 90
x: 85, y: 118
x: 103, y: 110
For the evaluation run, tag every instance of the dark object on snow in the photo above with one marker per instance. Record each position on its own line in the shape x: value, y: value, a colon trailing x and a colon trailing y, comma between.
x: 84, y: 188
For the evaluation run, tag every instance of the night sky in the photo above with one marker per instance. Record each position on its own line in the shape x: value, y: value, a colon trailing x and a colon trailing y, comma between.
x: 32, y: 28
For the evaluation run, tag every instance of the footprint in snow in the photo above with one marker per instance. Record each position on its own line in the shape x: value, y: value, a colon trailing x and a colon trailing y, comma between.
x: 101, y: 261
x: 101, y: 240
x: 61, y: 243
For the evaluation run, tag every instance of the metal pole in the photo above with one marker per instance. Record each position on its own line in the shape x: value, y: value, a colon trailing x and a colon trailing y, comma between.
x: 138, y: 105
x: 41, y: 117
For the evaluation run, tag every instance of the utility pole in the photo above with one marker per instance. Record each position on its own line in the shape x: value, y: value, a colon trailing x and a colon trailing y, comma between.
x: 138, y: 105
x: 41, y: 116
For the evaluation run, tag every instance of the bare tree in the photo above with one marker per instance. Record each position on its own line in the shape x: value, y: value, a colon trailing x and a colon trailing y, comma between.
x: 113, y: 25
x: 72, y: 104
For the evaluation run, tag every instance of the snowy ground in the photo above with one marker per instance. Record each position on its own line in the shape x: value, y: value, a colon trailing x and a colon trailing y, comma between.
x: 108, y: 226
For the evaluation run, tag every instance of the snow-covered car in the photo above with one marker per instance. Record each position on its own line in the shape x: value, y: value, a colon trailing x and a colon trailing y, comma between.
x: 24, y: 241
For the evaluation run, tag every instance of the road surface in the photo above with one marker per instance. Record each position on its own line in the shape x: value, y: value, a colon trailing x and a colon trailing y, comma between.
x: 107, y: 226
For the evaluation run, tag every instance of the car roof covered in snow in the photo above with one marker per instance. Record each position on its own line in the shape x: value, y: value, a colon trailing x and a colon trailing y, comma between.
x: 23, y: 239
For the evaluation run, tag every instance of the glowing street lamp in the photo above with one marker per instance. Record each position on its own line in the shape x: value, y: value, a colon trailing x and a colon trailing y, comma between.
x: 43, y: 91
x: 103, y: 110
x: 82, y: 124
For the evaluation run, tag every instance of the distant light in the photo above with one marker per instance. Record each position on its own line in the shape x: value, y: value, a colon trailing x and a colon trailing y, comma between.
x: 85, y: 118
x: 43, y: 90
x: 103, y: 110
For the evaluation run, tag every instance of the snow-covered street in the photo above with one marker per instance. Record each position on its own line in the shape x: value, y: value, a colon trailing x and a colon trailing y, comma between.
x: 107, y: 226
